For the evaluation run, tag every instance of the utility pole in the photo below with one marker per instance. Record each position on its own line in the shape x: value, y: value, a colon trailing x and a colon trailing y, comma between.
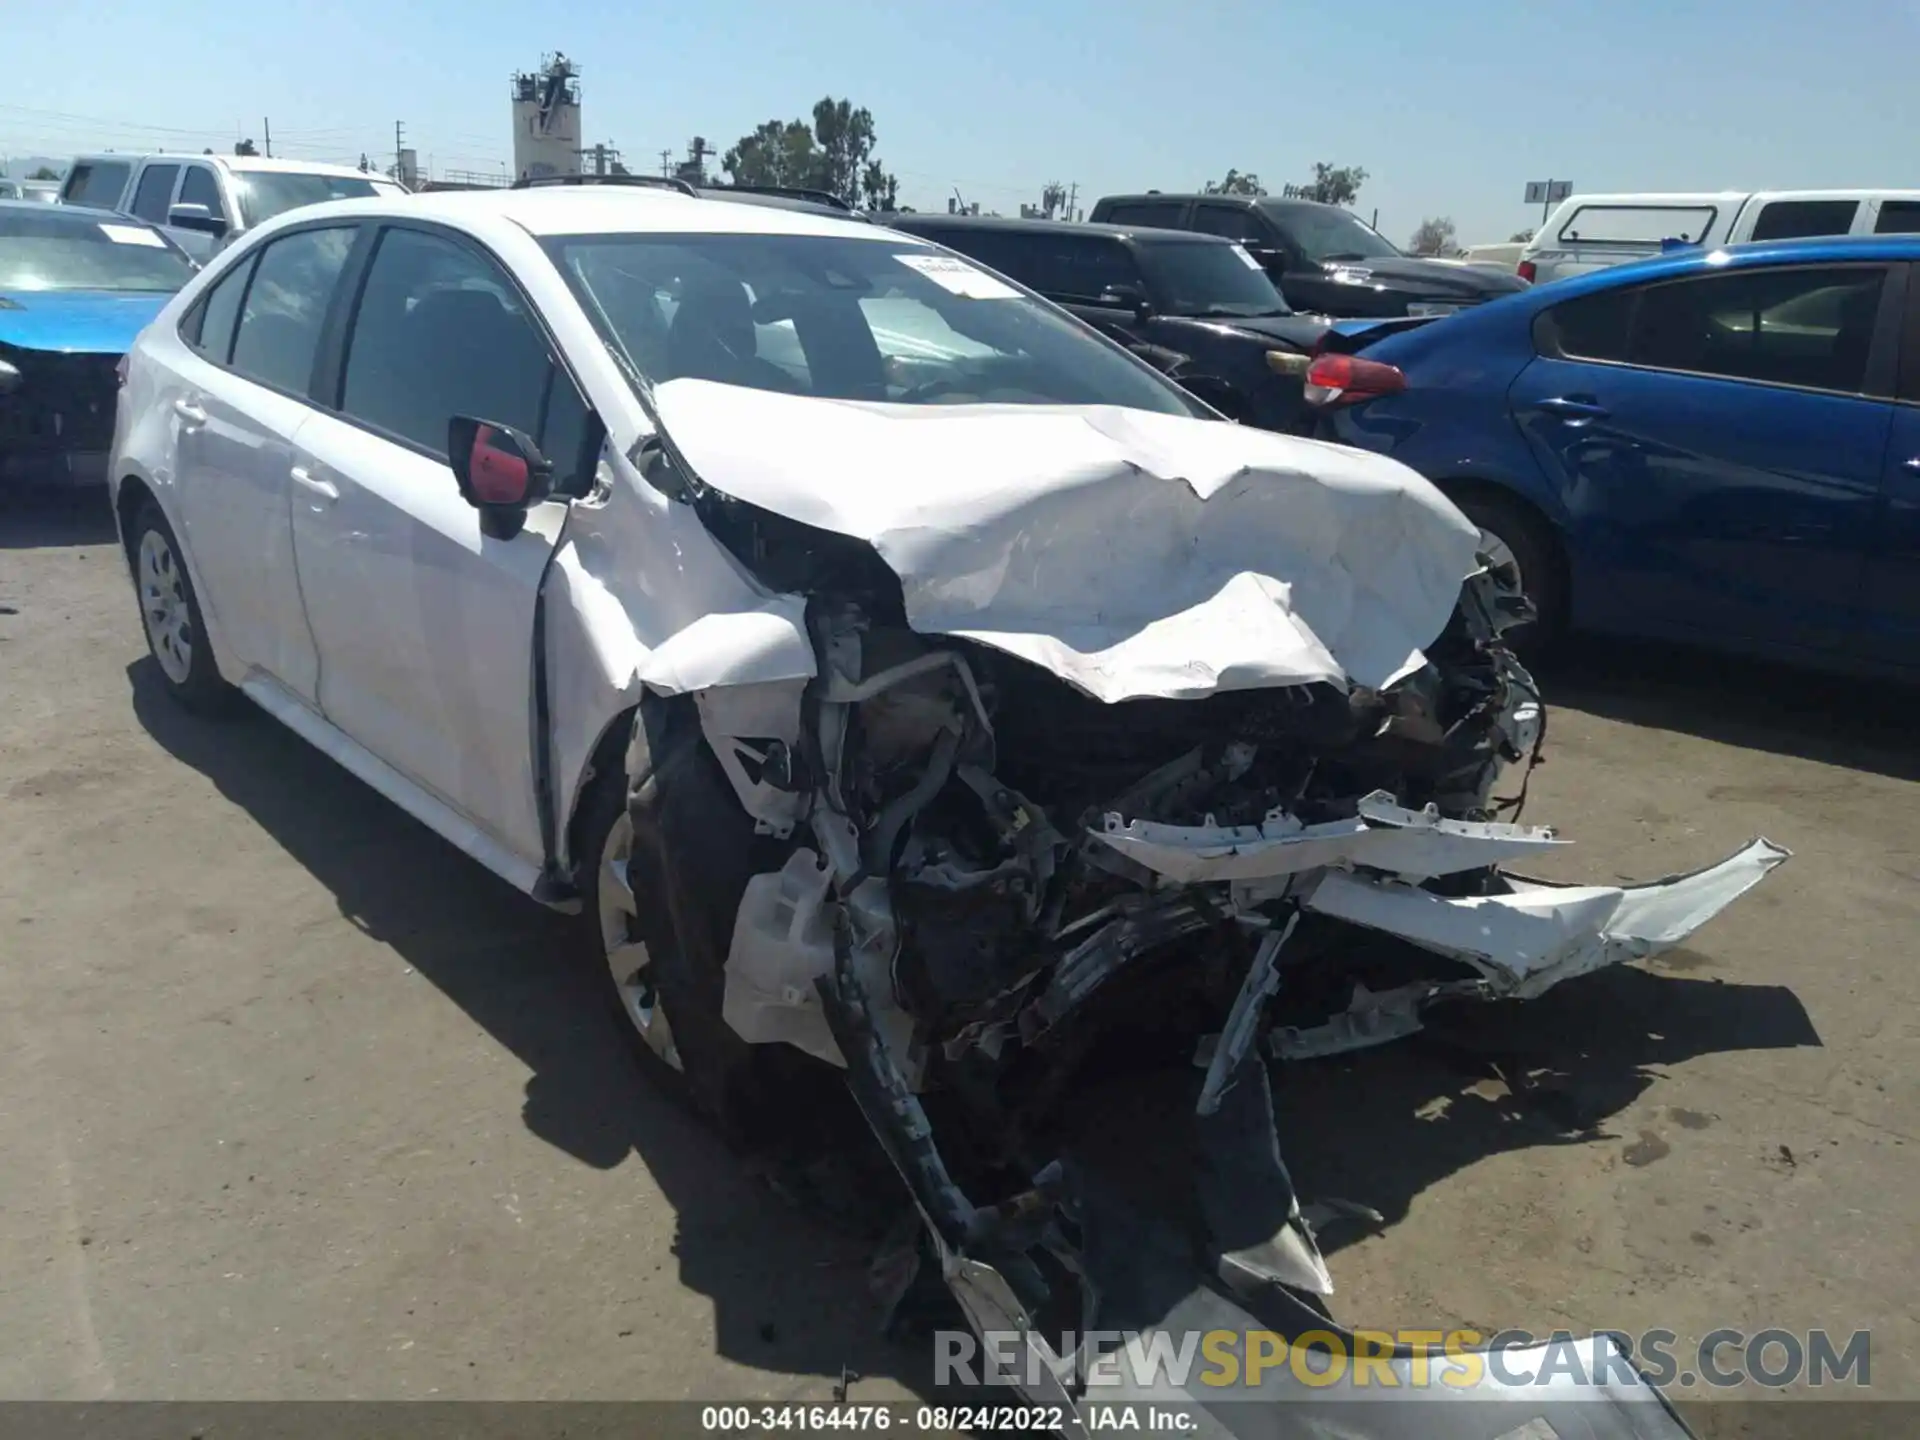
x: 1073, y: 193
x: 666, y: 163
x: 398, y: 144
x: 266, y: 133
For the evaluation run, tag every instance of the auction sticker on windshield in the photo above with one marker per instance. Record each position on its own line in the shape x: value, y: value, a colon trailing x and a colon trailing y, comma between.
x: 132, y: 235
x: 959, y: 277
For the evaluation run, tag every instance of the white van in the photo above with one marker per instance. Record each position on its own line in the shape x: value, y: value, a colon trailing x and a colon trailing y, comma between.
x: 1590, y: 232
x: 203, y: 200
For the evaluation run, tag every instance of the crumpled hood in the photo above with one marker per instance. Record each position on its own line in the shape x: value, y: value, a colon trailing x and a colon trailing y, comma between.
x: 1133, y: 554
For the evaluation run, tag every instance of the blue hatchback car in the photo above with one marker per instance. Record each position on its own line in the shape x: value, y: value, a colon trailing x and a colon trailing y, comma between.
x: 76, y: 286
x: 1715, y: 447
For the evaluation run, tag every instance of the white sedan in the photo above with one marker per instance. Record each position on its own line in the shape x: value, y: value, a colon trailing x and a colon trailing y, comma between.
x: 905, y: 684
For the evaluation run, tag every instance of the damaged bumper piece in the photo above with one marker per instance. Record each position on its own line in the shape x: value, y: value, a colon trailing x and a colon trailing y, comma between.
x: 1029, y: 861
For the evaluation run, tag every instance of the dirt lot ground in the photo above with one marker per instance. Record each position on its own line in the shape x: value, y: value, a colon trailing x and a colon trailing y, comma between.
x: 296, y: 1101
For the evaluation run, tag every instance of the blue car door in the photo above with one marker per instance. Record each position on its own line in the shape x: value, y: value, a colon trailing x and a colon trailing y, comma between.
x: 1718, y: 444
x: 1891, y: 626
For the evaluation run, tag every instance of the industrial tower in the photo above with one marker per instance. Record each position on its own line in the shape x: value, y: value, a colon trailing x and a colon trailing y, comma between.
x: 546, y: 119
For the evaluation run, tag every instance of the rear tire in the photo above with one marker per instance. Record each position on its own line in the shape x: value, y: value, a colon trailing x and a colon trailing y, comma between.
x: 1511, y: 533
x: 171, y: 617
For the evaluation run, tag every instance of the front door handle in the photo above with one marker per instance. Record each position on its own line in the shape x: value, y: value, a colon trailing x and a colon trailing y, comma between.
x: 191, y: 415
x: 1571, y: 408
x: 1912, y: 462
x: 307, y: 480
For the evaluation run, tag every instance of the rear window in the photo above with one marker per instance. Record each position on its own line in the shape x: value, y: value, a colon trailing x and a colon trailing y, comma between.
x: 55, y: 248
x: 1790, y: 219
x: 98, y: 184
x: 1637, y: 224
x: 1594, y: 327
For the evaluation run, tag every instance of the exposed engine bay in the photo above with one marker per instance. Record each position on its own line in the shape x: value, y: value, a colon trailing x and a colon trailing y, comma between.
x: 1015, y: 863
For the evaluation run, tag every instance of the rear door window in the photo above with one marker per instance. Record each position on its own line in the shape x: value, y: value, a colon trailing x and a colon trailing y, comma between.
x: 155, y: 190
x: 1593, y: 327
x: 293, y: 284
x: 1790, y: 219
x: 1636, y: 224
x: 97, y: 183
x: 1811, y: 328
x: 1898, y: 217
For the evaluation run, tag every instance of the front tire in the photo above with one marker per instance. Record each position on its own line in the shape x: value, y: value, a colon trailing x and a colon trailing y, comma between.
x: 1510, y: 534
x: 170, y: 615
x: 671, y: 853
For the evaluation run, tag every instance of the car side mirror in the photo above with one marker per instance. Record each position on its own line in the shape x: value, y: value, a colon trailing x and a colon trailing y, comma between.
x: 501, y: 473
x: 196, y: 217
x: 1128, y: 296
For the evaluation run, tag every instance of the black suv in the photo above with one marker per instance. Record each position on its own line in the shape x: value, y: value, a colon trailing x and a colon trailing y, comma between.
x: 1196, y: 307
x: 1326, y: 260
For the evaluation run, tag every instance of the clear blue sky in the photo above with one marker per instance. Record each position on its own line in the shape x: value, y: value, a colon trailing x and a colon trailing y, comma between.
x: 1451, y: 107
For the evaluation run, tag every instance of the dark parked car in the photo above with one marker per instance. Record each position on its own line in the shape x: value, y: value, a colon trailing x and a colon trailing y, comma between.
x: 1196, y: 307
x: 1720, y: 447
x: 1326, y: 260
x: 75, y: 287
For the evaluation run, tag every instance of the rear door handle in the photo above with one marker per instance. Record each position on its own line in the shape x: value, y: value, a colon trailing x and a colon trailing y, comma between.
x: 307, y: 480
x: 191, y: 413
x: 1567, y: 407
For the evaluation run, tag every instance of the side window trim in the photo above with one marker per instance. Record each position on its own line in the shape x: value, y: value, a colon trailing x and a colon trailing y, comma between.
x: 1877, y: 383
x: 1909, y: 387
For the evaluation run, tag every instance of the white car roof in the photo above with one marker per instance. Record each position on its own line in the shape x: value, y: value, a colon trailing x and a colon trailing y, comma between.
x: 595, y: 210
x: 231, y: 162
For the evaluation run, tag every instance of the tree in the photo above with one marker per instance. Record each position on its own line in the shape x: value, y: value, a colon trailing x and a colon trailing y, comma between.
x: 1520, y: 237
x: 879, y: 190
x: 1332, y: 184
x: 776, y: 153
x: 1436, y: 236
x: 45, y: 172
x: 245, y: 147
x: 1237, y: 182
x: 834, y: 153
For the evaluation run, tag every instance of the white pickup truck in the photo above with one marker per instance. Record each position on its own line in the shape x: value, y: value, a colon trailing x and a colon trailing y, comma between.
x: 1590, y: 232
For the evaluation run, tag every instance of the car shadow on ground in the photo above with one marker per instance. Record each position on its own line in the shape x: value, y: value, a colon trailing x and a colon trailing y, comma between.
x: 35, y: 520
x: 1486, y: 1079
x: 788, y: 1293
x: 1756, y: 705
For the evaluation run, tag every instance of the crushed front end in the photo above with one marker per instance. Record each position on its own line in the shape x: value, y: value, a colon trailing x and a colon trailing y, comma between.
x: 1109, y: 761
x: 1002, y: 894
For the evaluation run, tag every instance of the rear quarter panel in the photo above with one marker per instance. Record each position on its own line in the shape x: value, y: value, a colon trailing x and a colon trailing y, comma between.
x: 1452, y: 423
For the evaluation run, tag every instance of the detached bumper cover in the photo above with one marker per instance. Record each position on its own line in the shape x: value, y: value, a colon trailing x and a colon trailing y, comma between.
x: 1531, y: 939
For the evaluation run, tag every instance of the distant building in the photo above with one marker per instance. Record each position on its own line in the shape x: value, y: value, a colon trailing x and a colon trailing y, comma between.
x: 546, y: 119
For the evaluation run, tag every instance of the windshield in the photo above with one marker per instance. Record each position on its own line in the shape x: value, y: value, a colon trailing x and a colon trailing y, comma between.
x: 267, y: 193
x: 1208, y: 278
x: 847, y: 319
x: 45, y: 249
x: 1328, y: 233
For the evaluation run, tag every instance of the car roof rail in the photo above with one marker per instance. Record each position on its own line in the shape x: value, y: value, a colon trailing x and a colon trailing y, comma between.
x: 791, y: 192
x: 648, y: 182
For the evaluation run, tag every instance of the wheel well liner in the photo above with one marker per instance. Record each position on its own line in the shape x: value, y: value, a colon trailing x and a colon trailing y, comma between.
x: 1458, y: 488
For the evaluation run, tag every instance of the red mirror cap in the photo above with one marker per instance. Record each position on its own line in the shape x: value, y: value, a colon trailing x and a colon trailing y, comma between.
x: 498, y: 477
